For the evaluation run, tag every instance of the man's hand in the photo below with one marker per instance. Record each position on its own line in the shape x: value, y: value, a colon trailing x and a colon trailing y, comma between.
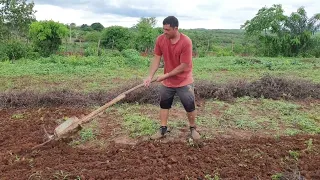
x: 147, y: 81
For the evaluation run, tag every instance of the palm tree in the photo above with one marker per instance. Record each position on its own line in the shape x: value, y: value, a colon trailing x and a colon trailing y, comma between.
x: 299, y: 29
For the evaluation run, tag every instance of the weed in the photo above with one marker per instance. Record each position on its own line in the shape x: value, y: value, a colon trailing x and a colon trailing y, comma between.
x: 209, y: 177
x: 291, y: 132
x: 294, y: 154
x: 277, y: 176
x: 309, y: 144
x: 61, y: 175
x: 87, y: 134
x: 139, y: 125
x: 17, y: 116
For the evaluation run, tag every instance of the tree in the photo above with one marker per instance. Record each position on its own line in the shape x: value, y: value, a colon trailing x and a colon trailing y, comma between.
x: 299, y: 30
x: 85, y: 27
x: 73, y: 25
x: 267, y: 19
x: 116, y: 37
x: 47, y: 36
x: 97, y: 26
x: 146, y: 34
x: 94, y: 36
x: 16, y: 16
x: 280, y: 34
x: 4, y: 31
x: 152, y: 21
x: 267, y: 24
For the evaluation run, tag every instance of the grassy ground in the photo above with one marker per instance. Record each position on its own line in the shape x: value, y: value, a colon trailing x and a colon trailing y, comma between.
x: 224, y: 69
x: 245, y: 114
x: 92, y: 73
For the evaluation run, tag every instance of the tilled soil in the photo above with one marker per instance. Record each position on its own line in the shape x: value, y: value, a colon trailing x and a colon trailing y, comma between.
x: 225, y: 157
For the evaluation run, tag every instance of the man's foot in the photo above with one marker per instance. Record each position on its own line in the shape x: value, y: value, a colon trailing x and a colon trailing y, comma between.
x: 160, y: 133
x: 194, y: 133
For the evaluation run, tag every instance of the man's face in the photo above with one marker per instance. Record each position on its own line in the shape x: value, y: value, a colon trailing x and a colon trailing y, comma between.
x: 169, y: 32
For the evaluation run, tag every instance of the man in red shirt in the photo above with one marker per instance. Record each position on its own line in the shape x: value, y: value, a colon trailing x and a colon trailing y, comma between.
x: 176, y: 49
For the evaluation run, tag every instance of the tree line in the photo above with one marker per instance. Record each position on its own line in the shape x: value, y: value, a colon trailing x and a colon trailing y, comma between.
x: 269, y: 33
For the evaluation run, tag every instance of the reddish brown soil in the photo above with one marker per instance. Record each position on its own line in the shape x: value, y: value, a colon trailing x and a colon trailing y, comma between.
x: 228, y: 157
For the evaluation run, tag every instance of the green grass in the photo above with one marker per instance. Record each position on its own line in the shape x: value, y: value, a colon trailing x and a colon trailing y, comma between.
x: 263, y: 116
x: 45, y: 75
x: 258, y: 115
x: 88, y: 133
x: 137, y: 120
x: 102, y: 73
x: 89, y: 74
x: 138, y: 125
x: 224, y: 69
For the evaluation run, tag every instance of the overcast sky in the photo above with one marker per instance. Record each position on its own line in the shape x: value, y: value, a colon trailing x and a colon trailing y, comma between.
x: 210, y: 14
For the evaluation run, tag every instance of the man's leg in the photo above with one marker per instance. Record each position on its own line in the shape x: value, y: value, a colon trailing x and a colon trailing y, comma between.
x: 192, y: 118
x: 166, y: 99
x: 164, y: 115
x: 187, y: 97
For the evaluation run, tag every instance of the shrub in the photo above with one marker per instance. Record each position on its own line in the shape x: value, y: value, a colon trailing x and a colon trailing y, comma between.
x: 16, y: 50
x: 111, y: 53
x: 133, y: 58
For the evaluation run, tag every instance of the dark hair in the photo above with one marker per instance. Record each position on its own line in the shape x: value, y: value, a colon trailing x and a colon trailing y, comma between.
x: 173, y: 21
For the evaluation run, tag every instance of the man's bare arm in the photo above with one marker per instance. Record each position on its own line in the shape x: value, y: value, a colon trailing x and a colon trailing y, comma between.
x: 179, y: 69
x: 154, y: 65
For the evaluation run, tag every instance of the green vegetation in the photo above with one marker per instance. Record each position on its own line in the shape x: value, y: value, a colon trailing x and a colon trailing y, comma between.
x: 138, y: 125
x: 261, y: 116
x: 47, y: 36
x: 91, y: 63
x: 270, y: 33
x: 284, y: 35
x: 44, y: 56
x: 107, y: 72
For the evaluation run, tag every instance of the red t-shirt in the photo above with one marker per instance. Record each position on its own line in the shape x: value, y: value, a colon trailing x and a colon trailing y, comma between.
x: 173, y: 56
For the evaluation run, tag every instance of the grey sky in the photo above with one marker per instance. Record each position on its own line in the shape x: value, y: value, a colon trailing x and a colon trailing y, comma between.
x: 211, y: 14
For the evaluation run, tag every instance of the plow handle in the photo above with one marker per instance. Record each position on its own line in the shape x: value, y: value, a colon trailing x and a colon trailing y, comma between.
x: 113, y: 101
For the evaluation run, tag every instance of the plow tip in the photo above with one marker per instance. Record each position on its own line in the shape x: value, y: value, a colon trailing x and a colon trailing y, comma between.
x: 48, y: 137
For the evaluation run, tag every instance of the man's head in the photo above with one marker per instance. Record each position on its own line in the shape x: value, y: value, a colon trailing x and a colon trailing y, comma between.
x: 170, y: 26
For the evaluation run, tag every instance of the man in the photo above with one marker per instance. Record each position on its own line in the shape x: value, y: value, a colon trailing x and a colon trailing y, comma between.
x: 176, y: 49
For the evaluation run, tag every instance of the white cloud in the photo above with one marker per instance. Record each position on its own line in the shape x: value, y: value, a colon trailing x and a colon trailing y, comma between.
x: 68, y: 15
x: 227, y: 14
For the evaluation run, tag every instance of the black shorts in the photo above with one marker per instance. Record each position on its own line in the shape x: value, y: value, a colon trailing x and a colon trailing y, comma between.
x: 185, y: 93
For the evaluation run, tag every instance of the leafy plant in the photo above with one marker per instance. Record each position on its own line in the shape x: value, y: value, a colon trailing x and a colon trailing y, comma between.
x: 47, y: 36
x: 87, y: 134
x: 116, y: 37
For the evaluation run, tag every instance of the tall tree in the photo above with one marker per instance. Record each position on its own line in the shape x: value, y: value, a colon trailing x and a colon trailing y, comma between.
x: 85, y: 27
x: 267, y: 26
x: 97, y: 26
x: 299, y: 29
x: 16, y: 16
x: 280, y: 34
x: 146, y: 33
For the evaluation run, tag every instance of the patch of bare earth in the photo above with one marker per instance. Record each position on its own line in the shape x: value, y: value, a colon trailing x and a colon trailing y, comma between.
x: 248, y: 157
x: 230, y: 154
